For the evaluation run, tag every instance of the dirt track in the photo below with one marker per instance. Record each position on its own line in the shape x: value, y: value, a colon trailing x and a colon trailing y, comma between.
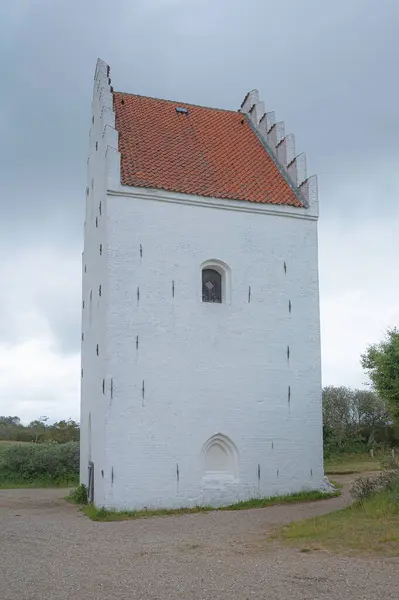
x: 49, y: 551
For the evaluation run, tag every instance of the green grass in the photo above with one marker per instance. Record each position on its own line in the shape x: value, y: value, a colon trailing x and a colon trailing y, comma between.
x: 304, y: 496
x: 346, y: 464
x: 2, y: 442
x: 7, y: 483
x: 370, y: 526
x: 336, y: 484
x: 101, y: 514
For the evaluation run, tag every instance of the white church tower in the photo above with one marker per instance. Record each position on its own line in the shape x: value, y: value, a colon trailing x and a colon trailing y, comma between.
x: 201, y: 369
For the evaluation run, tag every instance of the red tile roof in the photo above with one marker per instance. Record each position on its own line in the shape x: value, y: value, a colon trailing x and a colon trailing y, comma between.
x: 206, y: 152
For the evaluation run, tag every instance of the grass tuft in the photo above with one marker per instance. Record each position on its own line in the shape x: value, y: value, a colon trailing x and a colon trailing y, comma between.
x: 348, y: 464
x: 367, y: 526
x: 13, y: 482
x: 304, y: 496
x: 78, y: 495
x: 101, y: 514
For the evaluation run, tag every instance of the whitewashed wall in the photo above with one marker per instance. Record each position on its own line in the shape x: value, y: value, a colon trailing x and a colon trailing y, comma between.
x: 93, y: 408
x: 209, y: 368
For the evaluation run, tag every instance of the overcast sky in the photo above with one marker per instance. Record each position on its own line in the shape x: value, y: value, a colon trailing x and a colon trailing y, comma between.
x: 329, y: 70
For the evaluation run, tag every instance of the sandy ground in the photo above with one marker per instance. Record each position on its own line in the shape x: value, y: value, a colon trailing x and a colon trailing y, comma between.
x: 50, y: 551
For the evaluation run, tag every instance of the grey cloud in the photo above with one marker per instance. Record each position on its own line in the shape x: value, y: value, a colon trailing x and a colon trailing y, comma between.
x: 328, y: 69
x: 62, y: 308
x: 42, y: 298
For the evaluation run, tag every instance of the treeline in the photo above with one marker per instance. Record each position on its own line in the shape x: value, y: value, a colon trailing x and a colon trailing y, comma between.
x: 356, y: 420
x: 39, y: 431
x: 353, y: 421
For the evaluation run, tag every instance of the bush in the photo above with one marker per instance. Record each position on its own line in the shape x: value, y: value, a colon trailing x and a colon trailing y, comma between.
x: 333, y: 450
x: 29, y: 462
x: 364, y: 487
x: 79, y: 495
x: 389, y: 463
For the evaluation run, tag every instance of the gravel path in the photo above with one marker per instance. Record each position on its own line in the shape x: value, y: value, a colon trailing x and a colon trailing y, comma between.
x: 49, y: 551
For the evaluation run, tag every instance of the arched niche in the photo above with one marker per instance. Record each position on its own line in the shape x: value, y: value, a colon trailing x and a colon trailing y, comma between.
x: 219, y: 457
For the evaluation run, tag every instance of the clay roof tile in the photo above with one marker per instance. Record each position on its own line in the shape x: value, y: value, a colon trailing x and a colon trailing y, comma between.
x: 204, y: 151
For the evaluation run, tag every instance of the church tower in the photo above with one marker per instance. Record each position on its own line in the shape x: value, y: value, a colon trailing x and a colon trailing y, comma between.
x: 201, y: 377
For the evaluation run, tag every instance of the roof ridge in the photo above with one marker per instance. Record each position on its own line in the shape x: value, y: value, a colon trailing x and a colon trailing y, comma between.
x: 235, y: 112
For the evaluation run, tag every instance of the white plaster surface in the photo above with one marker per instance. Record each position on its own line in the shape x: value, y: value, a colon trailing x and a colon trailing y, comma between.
x: 178, y: 371
x: 209, y: 368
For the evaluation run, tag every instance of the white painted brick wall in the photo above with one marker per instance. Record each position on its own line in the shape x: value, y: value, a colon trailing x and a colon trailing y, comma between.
x: 209, y: 368
x: 92, y: 445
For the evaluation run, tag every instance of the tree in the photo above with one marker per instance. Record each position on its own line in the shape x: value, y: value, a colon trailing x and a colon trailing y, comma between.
x: 369, y: 410
x: 381, y: 362
x: 38, y: 427
x: 337, y: 402
x: 370, y: 414
x: 10, y: 427
x: 10, y: 420
x: 352, y: 417
x: 64, y: 431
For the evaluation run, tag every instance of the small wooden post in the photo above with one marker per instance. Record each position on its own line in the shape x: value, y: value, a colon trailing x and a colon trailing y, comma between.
x: 371, y: 453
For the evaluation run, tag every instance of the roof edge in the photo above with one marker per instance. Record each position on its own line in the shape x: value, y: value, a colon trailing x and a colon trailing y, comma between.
x: 176, y: 102
x: 283, y: 172
x: 281, y: 149
x: 231, y: 204
x: 104, y: 122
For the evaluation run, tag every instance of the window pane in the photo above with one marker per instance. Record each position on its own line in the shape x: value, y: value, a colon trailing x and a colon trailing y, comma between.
x: 211, y: 286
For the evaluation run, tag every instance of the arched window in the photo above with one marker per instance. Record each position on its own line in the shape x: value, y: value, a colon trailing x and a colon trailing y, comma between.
x: 211, y: 286
x: 215, y: 282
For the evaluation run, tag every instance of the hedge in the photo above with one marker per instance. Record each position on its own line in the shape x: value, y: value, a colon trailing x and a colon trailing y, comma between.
x: 28, y: 462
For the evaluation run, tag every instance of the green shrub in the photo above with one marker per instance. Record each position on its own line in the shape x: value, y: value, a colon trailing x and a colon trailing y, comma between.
x: 78, y: 495
x: 389, y: 463
x: 30, y: 462
x: 365, y: 487
x: 333, y: 448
